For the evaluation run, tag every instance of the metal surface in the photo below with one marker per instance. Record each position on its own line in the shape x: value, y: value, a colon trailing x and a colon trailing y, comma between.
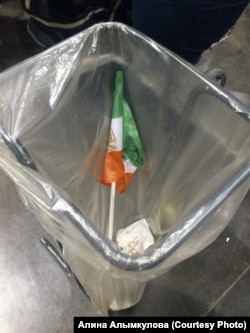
x: 56, y: 255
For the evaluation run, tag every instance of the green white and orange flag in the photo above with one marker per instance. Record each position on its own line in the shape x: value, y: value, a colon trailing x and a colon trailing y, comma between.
x: 125, y: 152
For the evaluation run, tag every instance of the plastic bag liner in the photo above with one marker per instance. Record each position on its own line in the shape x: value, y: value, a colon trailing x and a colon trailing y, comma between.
x: 54, y: 119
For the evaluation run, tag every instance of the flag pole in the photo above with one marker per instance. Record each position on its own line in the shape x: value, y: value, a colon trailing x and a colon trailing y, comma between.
x: 111, y: 211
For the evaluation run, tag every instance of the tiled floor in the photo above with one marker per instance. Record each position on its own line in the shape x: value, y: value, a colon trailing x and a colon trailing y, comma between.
x: 35, y: 293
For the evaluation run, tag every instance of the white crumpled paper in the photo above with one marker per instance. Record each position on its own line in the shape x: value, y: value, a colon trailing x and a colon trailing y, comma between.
x: 136, y: 238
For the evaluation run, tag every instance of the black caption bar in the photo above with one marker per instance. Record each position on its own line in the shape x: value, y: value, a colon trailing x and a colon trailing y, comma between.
x: 144, y: 323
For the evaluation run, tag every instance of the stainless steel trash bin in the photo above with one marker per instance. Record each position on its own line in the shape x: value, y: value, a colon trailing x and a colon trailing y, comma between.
x: 54, y: 111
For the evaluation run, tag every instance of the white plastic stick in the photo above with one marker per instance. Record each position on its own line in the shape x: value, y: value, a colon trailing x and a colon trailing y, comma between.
x: 111, y: 211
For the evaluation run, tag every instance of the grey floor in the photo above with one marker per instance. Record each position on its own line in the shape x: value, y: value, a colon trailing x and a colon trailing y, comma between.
x: 35, y: 293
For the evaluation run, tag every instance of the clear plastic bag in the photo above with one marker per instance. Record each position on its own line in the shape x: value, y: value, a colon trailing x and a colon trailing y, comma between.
x: 55, y: 111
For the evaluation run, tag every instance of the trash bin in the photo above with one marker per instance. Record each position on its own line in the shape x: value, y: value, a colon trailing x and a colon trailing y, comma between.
x: 55, y: 115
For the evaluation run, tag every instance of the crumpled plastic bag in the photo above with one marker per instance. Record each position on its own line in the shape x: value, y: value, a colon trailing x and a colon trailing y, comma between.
x: 136, y: 238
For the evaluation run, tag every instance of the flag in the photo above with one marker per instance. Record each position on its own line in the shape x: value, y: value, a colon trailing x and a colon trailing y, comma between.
x: 125, y: 152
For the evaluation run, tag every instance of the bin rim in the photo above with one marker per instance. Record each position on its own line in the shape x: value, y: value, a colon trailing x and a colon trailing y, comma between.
x: 156, y: 253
